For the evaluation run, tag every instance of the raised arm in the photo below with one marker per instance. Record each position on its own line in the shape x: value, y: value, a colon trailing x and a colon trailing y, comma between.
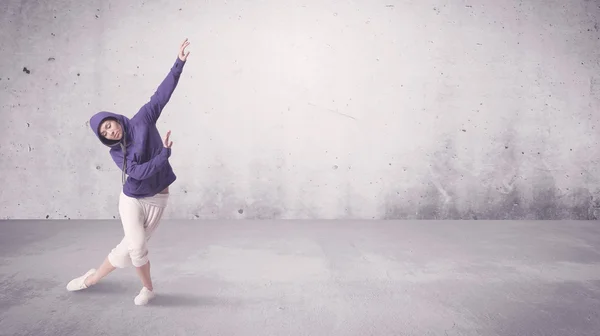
x: 151, y: 111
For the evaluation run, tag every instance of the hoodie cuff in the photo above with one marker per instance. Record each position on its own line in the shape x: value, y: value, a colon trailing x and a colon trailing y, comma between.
x: 166, y: 152
x: 178, y: 66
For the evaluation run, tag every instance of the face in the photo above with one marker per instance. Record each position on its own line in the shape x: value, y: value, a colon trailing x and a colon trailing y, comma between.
x: 111, y: 130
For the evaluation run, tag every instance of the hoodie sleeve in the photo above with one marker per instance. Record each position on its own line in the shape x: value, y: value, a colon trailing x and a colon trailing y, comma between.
x: 152, y: 110
x: 141, y: 171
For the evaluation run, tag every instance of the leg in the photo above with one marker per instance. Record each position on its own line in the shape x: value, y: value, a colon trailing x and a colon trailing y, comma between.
x: 117, y: 258
x: 144, y: 274
x: 154, y: 215
x: 102, y: 271
x: 139, y: 220
x: 153, y: 209
x: 134, y: 243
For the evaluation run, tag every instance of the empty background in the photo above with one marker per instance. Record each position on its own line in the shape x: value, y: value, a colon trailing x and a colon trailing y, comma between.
x: 309, y: 109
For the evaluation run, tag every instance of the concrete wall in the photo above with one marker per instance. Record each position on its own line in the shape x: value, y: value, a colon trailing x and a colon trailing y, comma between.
x: 310, y: 109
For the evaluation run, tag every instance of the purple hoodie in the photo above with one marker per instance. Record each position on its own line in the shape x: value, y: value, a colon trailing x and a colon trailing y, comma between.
x: 146, y: 159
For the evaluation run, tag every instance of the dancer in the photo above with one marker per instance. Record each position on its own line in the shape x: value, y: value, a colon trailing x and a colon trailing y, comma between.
x: 138, y: 150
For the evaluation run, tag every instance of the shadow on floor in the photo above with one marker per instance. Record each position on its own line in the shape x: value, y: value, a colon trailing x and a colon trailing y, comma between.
x: 109, y: 287
x: 183, y: 300
x: 162, y: 299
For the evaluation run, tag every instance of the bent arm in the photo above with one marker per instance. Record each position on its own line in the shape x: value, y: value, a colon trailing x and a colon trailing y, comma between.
x: 151, y: 111
x: 141, y: 171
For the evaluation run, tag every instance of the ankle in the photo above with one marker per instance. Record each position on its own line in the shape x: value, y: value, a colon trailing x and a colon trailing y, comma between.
x: 90, y: 280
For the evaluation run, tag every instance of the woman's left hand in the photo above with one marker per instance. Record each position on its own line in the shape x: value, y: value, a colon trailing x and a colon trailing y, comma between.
x: 166, y: 141
x: 182, y: 55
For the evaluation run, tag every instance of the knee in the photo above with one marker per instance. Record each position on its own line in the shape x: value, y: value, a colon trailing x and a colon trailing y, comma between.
x: 119, y: 260
x: 138, y: 255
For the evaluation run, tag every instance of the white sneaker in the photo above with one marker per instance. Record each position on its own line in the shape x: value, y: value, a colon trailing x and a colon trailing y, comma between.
x: 144, y: 297
x: 79, y: 283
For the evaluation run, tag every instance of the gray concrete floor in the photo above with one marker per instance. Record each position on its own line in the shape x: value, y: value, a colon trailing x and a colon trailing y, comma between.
x: 308, y: 278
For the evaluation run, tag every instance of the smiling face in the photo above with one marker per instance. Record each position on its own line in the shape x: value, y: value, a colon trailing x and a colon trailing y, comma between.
x: 111, y: 129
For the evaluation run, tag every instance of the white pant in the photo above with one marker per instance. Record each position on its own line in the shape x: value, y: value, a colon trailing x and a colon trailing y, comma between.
x: 140, y: 218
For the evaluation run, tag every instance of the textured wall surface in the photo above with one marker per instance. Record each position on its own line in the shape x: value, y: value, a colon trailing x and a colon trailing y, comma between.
x: 310, y: 109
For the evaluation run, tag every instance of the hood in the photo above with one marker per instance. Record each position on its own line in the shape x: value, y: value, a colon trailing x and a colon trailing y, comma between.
x: 95, y: 122
x: 97, y: 119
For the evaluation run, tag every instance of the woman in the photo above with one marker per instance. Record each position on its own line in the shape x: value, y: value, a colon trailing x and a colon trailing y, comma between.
x: 137, y: 148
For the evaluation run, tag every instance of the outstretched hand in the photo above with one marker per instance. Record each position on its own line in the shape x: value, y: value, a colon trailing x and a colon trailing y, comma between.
x: 166, y: 141
x: 182, y: 54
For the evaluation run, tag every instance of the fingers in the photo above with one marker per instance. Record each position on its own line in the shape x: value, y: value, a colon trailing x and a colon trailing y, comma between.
x: 168, y: 143
x: 184, y: 44
x: 182, y: 54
